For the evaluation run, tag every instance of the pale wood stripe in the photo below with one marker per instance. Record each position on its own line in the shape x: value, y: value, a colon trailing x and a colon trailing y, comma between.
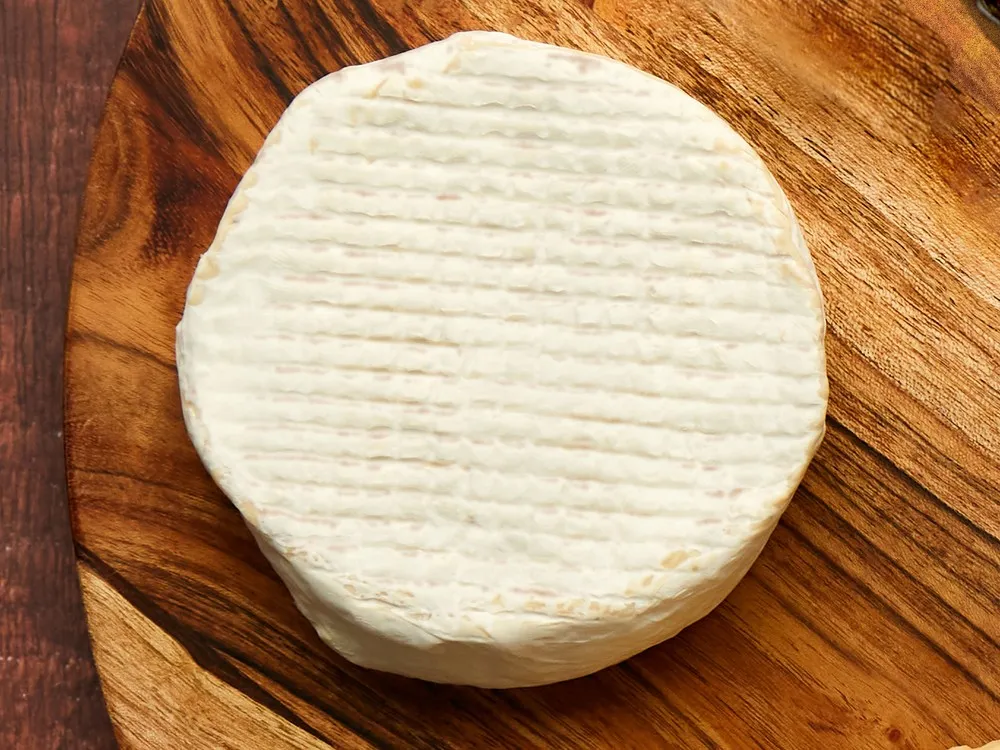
x: 159, y: 697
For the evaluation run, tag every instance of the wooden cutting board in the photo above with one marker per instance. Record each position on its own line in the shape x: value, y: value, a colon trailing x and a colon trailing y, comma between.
x: 872, y: 620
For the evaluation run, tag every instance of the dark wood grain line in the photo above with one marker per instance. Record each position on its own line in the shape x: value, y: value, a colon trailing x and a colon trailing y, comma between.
x: 841, y: 529
x: 636, y: 676
x: 985, y: 486
x: 333, y: 38
x: 201, y: 649
x: 393, y: 741
x: 520, y: 708
x: 979, y: 484
x: 816, y: 628
x: 882, y: 460
x: 422, y: 27
x: 377, y: 43
x: 683, y: 660
x: 316, y: 68
x: 831, y: 480
x: 261, y: 60
x: 392, y: 737
x: 158, y: 70
x: 881, y: 604
x: 809, y: 623
x: 96, y: 338
x: 391, y: 43
x: 137, y: 479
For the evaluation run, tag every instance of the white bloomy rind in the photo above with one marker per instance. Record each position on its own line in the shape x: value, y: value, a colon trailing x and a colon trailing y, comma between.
x: 511, y: 357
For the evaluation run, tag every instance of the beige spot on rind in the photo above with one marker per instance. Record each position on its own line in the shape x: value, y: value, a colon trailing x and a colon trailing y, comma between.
x: 250, y: 514
x: 375, y: 89
x: 208, y: 268
x: 674, y: 559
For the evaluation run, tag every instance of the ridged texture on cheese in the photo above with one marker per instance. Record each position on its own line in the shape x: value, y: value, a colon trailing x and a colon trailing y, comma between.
x: 511, y: 357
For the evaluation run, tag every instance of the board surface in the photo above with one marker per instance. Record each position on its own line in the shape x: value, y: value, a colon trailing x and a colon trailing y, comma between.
x: 872, y: 619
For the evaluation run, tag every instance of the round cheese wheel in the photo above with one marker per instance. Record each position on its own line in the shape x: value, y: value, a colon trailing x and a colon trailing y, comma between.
x: 511, y: 357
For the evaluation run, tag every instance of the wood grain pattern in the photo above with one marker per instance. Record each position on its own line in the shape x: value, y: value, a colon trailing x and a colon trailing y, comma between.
x: 56, y: 61
x: 872, y: 620
x: 194, y: 707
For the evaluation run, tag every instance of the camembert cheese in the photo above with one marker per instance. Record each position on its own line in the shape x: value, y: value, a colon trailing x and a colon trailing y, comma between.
x: 511, y: 357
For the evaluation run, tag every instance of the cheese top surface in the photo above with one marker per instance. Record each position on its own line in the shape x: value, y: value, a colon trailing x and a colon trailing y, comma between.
x: 511, y: 356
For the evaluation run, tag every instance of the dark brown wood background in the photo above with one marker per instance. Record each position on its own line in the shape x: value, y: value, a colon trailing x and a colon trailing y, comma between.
x: 56, y: 61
